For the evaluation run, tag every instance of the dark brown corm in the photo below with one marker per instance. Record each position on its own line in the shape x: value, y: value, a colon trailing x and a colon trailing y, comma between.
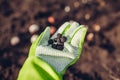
x: 58, y: 43
x: 50, y: 41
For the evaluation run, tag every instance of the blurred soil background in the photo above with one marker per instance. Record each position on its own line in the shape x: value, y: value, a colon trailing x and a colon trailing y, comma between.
x: 100, y: 58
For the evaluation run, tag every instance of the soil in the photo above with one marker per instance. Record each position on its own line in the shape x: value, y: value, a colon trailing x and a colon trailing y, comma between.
x: 100, y: 58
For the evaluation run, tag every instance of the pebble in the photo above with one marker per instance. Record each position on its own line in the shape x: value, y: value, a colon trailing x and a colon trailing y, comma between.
x: 14, y: 40
x: 34, y: 38
x: 67, y: 9
x: 33, y: 28
x: 96, y: 27
x: 90, y: 36
x: 76, y: 4
x: 51, y: 19
x: 84, y: 1
x: 71, y: 21
x: 52, y: 30
x: 102, y: 3
x: 87, y: 16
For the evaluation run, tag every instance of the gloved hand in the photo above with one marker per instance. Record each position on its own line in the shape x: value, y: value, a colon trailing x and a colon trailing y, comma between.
x: 46, y: 63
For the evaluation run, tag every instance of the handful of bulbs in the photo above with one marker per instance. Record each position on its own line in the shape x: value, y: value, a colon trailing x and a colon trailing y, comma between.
x: 58, y: 43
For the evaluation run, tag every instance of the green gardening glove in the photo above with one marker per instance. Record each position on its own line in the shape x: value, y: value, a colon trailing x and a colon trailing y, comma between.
x: 46, y: 63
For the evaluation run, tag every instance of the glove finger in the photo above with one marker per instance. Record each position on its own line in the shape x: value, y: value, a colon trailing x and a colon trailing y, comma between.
x: 78, y: 38
x: 73, y: 33
x: 62, y: 29
x: 45, y: 37
x: 42, y: 39
x: 73, y: 26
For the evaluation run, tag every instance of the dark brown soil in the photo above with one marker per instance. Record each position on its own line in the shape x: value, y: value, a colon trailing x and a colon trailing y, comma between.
x: 100, y: 59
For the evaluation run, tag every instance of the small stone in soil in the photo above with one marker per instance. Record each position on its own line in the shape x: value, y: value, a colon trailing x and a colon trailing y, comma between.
x: 34, y: 38
x: 52, y: 30
x: 33, y: 28
x: 14, y: 40
x: 51, y: 19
